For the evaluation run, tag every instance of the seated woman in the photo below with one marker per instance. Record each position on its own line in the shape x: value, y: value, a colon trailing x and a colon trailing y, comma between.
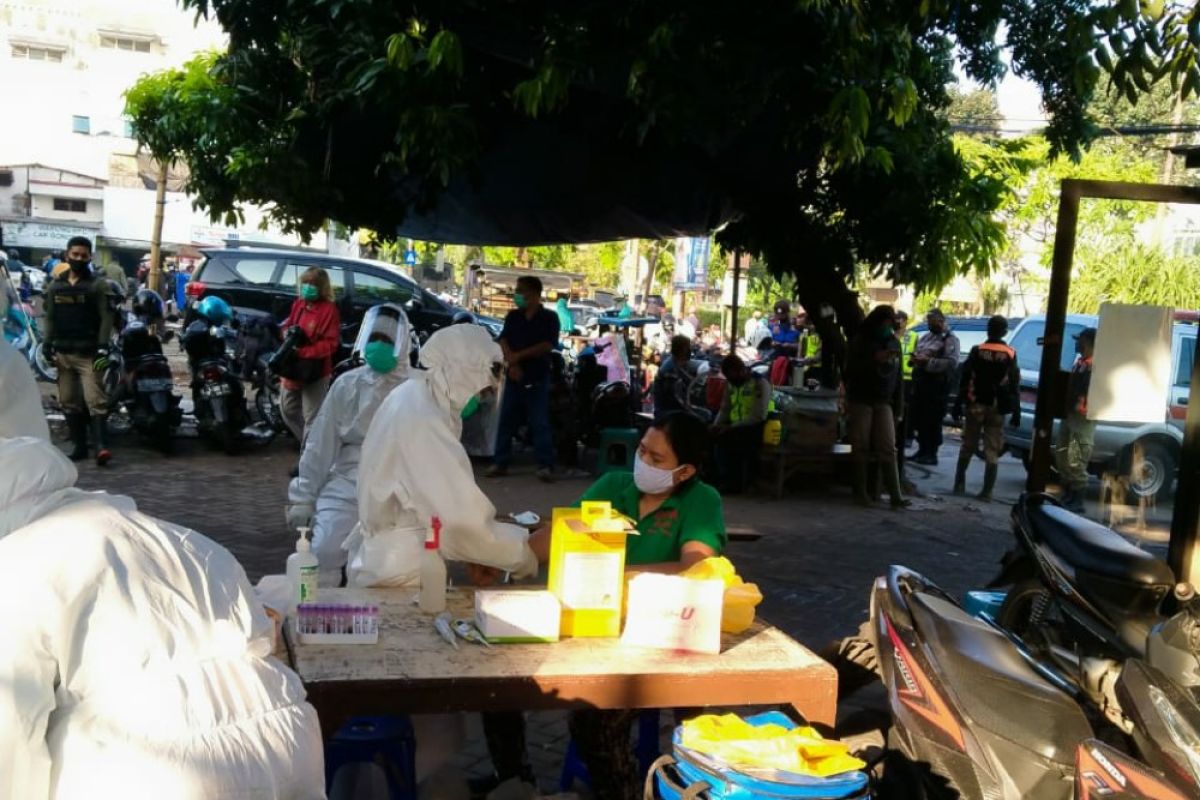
x: 680, y: 521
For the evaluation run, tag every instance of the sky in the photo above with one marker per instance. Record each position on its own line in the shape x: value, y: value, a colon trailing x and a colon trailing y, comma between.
x: 1021, y: 104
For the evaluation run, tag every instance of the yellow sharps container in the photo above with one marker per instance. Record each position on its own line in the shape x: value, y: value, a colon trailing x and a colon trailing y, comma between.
x: 587, y: 567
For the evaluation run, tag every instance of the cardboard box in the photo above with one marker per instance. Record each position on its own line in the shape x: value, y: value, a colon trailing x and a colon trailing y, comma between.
x: 512, y: 616
x: 587, y: 567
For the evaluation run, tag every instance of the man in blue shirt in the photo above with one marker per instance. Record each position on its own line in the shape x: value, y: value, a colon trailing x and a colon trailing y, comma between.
x: 785, y: 337
x: 530, y: 333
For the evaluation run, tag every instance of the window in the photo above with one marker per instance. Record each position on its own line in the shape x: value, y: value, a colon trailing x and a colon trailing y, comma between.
x: 373, y: 289
x: 69, y: 204
x: 1187, y: 355
x: 255, y: 270
x: 81, y: 124
x: 34, y: 53
x: 127, y: 43
x: 6, y: 177
x: 290, y: 279
x: 1029, y: 349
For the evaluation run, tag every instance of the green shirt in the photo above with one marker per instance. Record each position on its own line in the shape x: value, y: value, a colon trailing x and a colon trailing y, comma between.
x: 692, y: 514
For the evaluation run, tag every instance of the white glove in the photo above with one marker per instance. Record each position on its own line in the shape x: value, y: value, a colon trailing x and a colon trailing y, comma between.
x: 300, y: 515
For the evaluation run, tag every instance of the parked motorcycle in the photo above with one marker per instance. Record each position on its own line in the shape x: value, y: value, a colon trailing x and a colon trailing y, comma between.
x: 976, y: 716
x: 257, y: 342
x: 1085, y: 601
x: 217, y: 393
x: 21, y: 331
x: 146, y: 390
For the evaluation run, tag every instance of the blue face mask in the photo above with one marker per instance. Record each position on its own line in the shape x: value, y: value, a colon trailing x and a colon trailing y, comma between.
x: 380, y: 356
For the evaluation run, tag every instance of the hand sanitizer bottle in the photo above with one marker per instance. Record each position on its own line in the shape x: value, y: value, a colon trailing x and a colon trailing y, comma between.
x: 302, y: 571
x: 433, y: 571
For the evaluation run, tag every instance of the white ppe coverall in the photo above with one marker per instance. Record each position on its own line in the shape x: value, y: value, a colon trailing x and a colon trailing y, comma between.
x: 414, y: 468
x: 325, y: 491
x: 20, y: 402
x: 134, y: 657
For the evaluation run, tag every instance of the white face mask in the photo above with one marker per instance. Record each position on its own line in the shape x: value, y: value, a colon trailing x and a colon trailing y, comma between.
x: 653, y: 480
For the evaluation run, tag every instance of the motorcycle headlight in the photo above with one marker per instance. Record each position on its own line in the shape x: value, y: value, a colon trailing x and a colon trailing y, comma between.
x: 1181, y: 731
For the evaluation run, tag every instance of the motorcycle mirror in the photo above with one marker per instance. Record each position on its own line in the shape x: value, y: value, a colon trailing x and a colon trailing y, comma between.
x: 1184, y: 591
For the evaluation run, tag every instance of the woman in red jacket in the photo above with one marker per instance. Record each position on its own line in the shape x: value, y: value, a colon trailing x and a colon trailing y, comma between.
x: 315, y: 313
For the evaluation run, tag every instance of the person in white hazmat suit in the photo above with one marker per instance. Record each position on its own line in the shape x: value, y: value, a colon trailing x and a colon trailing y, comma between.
x: 133, y: 653
x: 323, y: 495
x: 414, y: 468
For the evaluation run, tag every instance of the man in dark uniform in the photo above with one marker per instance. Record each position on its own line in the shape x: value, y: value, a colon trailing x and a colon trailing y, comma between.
x: 1077, y: 433
x: 990, y: 388
x: 78, y: 324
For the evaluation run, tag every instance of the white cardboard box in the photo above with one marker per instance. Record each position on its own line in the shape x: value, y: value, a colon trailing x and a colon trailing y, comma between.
x: 517, y: 615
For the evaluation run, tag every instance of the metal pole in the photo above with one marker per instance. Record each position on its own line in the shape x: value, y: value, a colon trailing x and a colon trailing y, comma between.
x: 1183, y: 555
x: 1052, y: 341
x: 733, y: 317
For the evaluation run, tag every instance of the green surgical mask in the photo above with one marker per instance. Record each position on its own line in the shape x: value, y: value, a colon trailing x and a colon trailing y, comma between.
x: 471, y: 407
x: 519, y: 300
x: 309, y: 292
x: 380, y: 356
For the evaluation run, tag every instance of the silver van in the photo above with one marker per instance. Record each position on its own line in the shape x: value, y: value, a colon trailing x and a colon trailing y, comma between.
x: 1158, y: 455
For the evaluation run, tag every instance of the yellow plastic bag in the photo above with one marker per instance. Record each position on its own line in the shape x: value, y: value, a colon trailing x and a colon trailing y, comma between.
x: 736, y: 742
x: 741, y: 598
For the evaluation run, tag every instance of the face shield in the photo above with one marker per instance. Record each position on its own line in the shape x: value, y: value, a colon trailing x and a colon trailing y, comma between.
x: 5, y: 290
x: 385, y: 324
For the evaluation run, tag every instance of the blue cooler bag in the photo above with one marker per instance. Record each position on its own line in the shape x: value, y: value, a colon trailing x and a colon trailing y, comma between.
x: 686, y: 774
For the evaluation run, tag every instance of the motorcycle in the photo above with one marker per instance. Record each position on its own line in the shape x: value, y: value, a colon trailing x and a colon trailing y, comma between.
x: 257, y: 341
x: 975, y: 715
x: 1085, y: 601
x: 217, y: 393
x: 21, y: 331
x: 146, y: 390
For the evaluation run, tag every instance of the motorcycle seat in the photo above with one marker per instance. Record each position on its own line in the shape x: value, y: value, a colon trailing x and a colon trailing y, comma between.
x: 994, y: 686
x: 1093, y: 548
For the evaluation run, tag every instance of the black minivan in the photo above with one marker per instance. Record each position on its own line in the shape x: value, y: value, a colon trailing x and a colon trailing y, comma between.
x: 265, y: 281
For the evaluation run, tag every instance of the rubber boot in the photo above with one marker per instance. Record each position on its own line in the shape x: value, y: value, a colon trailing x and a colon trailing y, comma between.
x: 891, y: 479
x: 100, y: 434
x: 960, y: 474
x: 989, y: 482
x: 77, y: 429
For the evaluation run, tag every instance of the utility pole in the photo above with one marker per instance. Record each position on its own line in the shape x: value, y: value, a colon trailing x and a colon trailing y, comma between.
x: 160, y: 202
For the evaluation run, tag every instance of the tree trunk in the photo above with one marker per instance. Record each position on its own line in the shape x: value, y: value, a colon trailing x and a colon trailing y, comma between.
x: 652, y: 266
x: 160, y: 202
x: 820, y: 287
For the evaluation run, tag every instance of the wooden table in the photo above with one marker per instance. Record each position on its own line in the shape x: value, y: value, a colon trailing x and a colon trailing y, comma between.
x: 413, y: 670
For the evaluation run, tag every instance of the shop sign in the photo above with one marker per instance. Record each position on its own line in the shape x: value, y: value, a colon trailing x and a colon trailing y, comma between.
x: 42, y: 235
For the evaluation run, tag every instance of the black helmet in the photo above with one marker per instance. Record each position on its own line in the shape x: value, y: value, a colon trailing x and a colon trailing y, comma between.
x: 462, y: 317
x: 148, y: 305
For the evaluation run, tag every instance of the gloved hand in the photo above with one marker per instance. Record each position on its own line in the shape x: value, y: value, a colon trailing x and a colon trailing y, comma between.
x: 101, y: 361
x: 300, y: 515
x: 296, y: 331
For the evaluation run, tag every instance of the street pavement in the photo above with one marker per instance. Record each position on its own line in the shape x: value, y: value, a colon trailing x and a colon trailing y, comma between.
x: 814, y: 553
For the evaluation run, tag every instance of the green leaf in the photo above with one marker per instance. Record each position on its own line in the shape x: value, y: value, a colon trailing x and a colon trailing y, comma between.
x: 445, y: 49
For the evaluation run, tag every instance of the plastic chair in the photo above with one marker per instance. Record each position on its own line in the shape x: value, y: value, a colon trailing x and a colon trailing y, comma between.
x: 387, y: 742
x: 618, y: 448
x: 646, y: 752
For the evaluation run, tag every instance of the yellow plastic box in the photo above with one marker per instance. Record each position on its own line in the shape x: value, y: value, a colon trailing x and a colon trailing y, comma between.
x: 587, y: 567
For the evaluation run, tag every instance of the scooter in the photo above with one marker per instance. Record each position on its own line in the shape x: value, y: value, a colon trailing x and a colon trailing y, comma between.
x: 1085, y: 601
x: 147, y: 389
x: 21, y: 331
x: 257, y: 341
x: 217, y: 393
x: 975, y: 716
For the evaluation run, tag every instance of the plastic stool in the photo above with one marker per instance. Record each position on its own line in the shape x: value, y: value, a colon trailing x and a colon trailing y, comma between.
x: 387, y: 742
x: 646, y: 751
x: 618, y: 448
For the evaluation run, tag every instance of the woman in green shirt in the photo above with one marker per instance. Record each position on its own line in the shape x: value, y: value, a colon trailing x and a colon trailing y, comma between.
x: 680, y: 521
x: 679, y: 518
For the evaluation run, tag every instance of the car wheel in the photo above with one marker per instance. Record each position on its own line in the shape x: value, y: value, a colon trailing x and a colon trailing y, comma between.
x: 1151, y: 469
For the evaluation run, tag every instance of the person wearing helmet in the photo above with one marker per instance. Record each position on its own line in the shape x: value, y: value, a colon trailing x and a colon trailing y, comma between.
x: 214, y: 310
x: 419, y: 469
x: 148, y: 306
x: 323, y: 495
x: 78, y: 324
x: 135, y: 655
